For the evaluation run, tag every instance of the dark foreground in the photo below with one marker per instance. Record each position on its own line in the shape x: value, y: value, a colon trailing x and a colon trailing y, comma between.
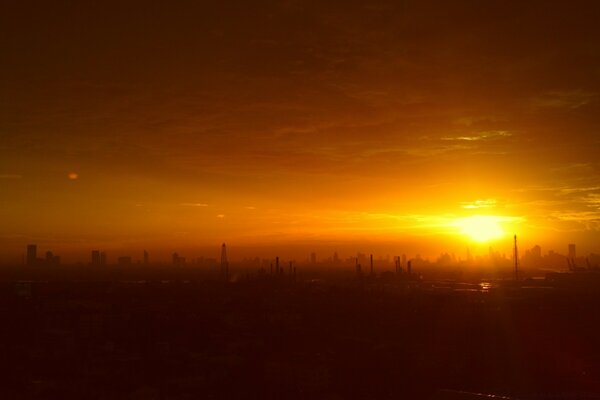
x: 277, y: 339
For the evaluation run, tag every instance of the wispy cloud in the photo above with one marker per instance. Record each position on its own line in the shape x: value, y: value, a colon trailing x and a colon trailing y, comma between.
x: 577, y: 216
x: 10, y: 176
x: 481, y: 136
x: 571, y: 190
x: 564, y: 99
x: 488, y: 203
x: 194, y: 204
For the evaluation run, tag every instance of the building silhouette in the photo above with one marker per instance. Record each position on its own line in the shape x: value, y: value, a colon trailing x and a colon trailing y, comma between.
x: 572, y: 251
x: 177, y: 260
x: 146, y: 258
x: 95, y: 257
x: 31, y: 254
x: 124, y: 261
x: 52, y: 260
x: 224, y: 262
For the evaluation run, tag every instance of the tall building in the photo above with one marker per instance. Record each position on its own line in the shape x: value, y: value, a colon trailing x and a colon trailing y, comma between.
x: 313, y: 258
x: 572, y: 251
x: 31, y: 254
x: 95, y: 258
x: 224, y: 262
x: 124, y: 261
x: 146, y: 258
x: 177, y: 260
x: 49, y: 258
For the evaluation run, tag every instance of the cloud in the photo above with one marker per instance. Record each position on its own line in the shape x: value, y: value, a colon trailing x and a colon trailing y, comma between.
x: 488, y: 203
x: 194, y: 204
x: 571, y: 190
x: 564, y: 99
x: 10, y: 176
x: 488, y: 135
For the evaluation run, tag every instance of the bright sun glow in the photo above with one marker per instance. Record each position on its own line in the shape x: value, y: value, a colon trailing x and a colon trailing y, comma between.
x: 481, y: 228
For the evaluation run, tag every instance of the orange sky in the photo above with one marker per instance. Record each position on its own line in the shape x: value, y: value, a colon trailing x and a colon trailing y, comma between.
x: 125, y: 125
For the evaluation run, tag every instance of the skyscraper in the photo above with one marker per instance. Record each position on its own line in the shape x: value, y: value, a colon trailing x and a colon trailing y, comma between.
x: 95, y: 258
x: 572, y: 251
x: 49, y: 258
x: 31, y: 254
x: 224, y: 263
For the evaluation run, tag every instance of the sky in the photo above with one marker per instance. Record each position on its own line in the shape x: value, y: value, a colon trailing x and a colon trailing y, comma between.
x: 429, y: 126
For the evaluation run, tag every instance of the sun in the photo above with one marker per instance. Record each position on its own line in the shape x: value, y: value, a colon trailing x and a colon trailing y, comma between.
x: 481, y: 228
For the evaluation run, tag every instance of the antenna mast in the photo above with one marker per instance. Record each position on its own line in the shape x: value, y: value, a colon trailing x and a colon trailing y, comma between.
x: 516, y: 260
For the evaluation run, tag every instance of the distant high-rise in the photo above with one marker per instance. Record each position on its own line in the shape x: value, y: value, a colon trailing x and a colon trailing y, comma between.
x: 49, y: 258
x: 95, y: 257
x: 572, y: 251
x: 31, y: 254
x: 102, y: 258
x: 177, y: 261
x: 516, y: 257
x: 358, y: 268
x: 224, y: 262
x: 124, y: 261
x: 313, y: 258
x: 146, y: 258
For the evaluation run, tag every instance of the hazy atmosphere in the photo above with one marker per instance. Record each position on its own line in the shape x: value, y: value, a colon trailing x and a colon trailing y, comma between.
x: 422, y: 126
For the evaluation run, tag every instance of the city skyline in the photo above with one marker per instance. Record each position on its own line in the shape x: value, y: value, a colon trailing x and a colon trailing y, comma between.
x: 530, y: 257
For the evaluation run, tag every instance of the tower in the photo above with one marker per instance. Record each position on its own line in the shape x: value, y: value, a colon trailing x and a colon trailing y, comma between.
x: 516, y: 260
x: 224, y: 262
x: 371, y: 262
x: 146, y: 258
x: 572, y: 251
x: 95, y: 257
x: 49, y: 258
x: 31, y: 254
